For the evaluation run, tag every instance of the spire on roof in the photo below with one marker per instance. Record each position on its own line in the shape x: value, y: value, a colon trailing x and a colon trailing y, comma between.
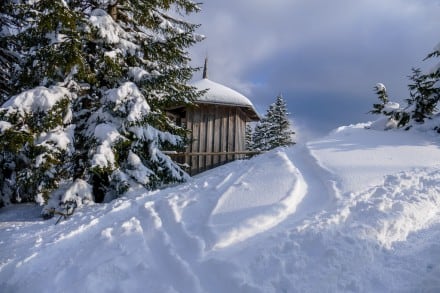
x: 205, y: 68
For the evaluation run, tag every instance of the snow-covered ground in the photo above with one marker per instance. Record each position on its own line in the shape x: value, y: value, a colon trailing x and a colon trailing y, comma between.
x: 355, y: 211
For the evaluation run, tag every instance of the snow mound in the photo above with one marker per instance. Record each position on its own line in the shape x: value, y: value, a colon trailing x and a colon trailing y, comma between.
x: 248, y: 206
x: 361, y: 157
x: 356, y: 211
x: 403, y: 204
x: 79, y: 191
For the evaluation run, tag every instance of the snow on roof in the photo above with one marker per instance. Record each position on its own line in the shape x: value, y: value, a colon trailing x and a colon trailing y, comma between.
x: 220, y: 94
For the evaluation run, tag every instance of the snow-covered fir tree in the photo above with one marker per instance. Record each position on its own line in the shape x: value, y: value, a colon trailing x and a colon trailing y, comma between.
x: 97, y: 78
x: 248, y: 138
x: 260, y: 136
x: 7, y: 60
x: 274, y: 129
x: 396, y: 116
x: 424, y: 96
x: 424, y: 92
x: 280, y: 131
x: 33, y: 121
x: 12, y: 20
x: 382, y: 94
x: 7, y: 57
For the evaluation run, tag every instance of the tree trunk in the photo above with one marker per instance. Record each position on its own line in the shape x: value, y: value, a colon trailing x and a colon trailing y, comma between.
x: 113, y: 11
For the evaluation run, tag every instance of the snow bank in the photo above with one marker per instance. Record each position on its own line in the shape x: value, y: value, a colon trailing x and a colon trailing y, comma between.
x: 403, y: 204
x: 356, y: 211
x: 362, y: 157
x: 79, y: 191
x: 249, y: 206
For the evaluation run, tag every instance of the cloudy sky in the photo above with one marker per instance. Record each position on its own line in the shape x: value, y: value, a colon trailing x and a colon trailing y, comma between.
x: 324, y: 56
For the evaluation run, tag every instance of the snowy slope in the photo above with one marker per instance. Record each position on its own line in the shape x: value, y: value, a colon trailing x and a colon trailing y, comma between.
x: 355, y: 211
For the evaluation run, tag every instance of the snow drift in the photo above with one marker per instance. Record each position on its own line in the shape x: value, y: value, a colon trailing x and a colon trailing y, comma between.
x: 355, y: 211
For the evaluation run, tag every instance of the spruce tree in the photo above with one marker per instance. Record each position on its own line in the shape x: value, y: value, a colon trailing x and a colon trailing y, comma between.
x: 382, y: 94
x: 7, y: 57
x: 13, y: 19
x: 34, y: 120
x: 424, y: 96
x: 110, y: 70
x: 397, y: 117
x: 142, y: 68
x: 248, y: 138
x: 274, y: 129
x: 279, y: 129
x: 7, y: 61
x: 260, y: 136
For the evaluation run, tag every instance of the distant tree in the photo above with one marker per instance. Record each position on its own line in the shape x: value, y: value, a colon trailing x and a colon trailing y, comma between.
x: 248, y: 137
x: 260, y: 135
x: 424, y: 97
x: 397, y: 117
x: 382, y: 94
x: 424, y: 94
x: 280, y: 132
x: 274, y: 129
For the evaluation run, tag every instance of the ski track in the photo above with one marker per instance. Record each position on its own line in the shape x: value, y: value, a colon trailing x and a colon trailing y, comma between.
x: 246, y: 224
x: 321, y: 189
x: 320, y: 194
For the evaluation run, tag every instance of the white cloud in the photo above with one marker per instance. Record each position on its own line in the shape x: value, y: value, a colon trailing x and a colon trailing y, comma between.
x: 242, y: 33
x: 341, y: 46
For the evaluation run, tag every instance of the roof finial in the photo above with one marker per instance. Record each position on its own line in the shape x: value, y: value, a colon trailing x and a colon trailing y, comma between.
x: 205, y: 68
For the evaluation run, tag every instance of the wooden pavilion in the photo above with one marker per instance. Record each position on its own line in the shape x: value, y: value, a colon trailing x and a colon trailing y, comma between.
x: 217, y: 125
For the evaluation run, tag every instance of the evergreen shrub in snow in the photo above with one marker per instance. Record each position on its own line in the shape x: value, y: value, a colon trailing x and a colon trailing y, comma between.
x: 424, y: 91
x: 83, y: 114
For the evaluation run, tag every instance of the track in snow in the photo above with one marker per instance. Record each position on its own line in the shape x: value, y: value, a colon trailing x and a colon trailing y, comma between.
x: 307, y: 187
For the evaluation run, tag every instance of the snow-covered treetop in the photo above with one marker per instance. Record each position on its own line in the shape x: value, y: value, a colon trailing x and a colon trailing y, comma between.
x: 381, y: 87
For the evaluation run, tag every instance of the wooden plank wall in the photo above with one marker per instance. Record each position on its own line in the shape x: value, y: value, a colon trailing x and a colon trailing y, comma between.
x: 214, y: 128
